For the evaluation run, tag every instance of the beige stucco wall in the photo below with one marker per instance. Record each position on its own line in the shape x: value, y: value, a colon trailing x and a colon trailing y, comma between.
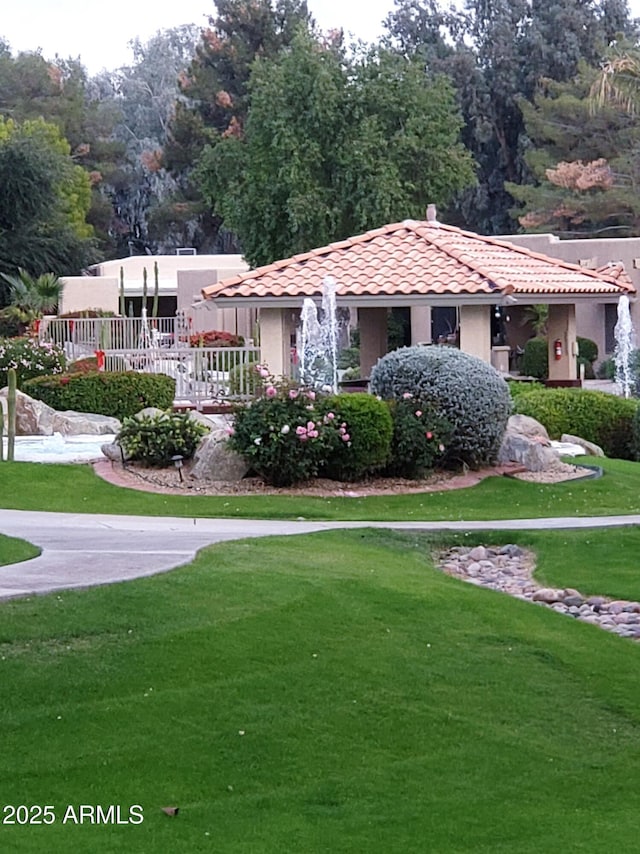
x: 83, y: 292
x: 475, y: 331
x: 562, y: 327
x: 591, y: 254
x: 373, y: 337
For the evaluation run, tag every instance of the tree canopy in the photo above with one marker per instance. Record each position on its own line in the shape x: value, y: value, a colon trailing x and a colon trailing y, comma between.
x: 333, y: 146
x: 44, y: 201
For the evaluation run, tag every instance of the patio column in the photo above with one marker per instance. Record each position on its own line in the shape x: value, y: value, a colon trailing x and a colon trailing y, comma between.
x: 274, y: 340
x: 421, y: 324
x: 561, y: 327
x: 475, y: 331
x: 372, y: 323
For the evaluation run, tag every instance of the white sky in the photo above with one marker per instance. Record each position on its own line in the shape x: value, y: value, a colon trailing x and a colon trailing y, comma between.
x: 99, y: 32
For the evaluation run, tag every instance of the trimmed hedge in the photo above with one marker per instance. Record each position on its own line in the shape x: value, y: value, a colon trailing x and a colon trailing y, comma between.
x: 118, y: 394
x: 369, y: 426
x: 155, y: 439
x: 596, y: 416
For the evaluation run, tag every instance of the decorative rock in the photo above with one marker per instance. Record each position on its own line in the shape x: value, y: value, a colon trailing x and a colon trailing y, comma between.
x: 546, y: 595
x: 591, y: 449
x: 532, y: 453
x: 478, y: 553
x: 84, y: 423
x: 619, y: 616
x: 527, y: 426
x: 35, y: 418
x: 214, y: 460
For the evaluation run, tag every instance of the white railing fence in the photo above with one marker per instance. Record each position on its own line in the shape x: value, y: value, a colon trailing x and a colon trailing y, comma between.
x: 83, y: 336
x: 204, y: 375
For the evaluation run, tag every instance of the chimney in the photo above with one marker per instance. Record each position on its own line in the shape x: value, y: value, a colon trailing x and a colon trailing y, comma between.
x: 431, y: 215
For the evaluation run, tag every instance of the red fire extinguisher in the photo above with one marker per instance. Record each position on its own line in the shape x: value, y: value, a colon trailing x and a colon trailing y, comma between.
x: 557, y: 349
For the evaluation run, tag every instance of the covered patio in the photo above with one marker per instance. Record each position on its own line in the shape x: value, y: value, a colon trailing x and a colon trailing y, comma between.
x: 428, y: 267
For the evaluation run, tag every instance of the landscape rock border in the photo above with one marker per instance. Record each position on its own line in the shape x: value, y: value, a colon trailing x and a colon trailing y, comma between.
x: 509, y: 569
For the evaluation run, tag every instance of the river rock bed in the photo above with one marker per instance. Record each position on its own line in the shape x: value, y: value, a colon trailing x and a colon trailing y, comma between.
x: 509, y: 569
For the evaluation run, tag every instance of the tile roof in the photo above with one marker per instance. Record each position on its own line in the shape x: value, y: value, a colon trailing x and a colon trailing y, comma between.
x: 416, y: 258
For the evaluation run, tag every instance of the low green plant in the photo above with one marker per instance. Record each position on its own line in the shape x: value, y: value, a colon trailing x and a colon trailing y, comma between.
x: 283, y: 434
x: 365, y: 429
x: 30, y: 358
x: 119, y: 394
x: 517, y: 387
x: 535, y: 359
x: 154, y: 439
x: 419, y: 437
x: 593, y: 415
x: 606, y: 369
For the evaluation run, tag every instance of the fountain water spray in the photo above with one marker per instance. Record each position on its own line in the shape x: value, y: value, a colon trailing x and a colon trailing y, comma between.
x: 319, y: 342
x: 625, y: 340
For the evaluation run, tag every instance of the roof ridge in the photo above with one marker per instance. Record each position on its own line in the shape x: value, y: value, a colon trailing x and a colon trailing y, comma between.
x: 523, y: 250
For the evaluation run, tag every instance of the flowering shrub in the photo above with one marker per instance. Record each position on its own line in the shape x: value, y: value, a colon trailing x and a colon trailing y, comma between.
x: 30, y: 358
x: 283, y: 433
x: 468, y: 392
x: 216, y: 338
x: 420, y: 437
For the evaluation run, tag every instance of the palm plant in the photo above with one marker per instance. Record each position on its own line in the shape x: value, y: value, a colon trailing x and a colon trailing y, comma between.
x: 34, y: 295
x: 618, y: 82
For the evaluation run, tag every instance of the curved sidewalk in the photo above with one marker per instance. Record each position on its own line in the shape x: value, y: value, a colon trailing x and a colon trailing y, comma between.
x: 86, y: 550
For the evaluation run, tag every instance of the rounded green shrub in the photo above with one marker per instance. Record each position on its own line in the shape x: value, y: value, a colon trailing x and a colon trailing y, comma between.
x: 363, y: 439
x: 587, y: 349
x: 118, y: 394
x: 596, y: 416
x: 154, y: 439
x: 462, y: 389
x: 535, y: 359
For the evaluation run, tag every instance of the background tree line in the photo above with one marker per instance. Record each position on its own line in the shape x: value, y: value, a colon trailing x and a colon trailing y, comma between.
x: 263, y: 135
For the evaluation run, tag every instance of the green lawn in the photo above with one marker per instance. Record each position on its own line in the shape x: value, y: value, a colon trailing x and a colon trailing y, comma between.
x: 76, y: 489
x: 385, y: 706
x: 13, y: 550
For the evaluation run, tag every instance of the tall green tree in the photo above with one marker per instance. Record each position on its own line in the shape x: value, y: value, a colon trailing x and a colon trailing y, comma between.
x: 43, y: 204
x: 332, y: 146
x: 215, y: 100
x: 586, y: 164
x: 496, y: 51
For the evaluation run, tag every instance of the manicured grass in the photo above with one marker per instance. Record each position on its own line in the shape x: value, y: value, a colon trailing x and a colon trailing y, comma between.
x: 322, y: 693
x: 76, y: 489
x: 13, y: 550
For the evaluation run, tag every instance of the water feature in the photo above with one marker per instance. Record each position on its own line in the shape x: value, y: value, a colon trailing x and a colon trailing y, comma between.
x: 319, y: 340
x: 625, y: 345
x: 60, y: 449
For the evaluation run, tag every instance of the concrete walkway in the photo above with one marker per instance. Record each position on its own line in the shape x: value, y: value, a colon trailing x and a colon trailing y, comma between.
x: 85, y: 550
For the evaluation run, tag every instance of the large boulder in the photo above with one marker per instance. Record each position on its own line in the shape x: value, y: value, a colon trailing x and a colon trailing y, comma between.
x: 522, y: 443
x: 35, y: 418
x: 590, y: 448
x: 214, y: 459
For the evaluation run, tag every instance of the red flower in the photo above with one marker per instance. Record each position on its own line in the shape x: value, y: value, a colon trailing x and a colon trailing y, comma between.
x: 429, y: 434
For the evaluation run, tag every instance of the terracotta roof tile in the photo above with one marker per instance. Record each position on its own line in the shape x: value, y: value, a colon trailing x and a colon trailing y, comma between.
x: 418, y: 259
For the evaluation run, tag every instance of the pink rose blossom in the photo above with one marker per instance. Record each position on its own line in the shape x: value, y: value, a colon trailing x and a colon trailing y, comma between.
x: 345, y: 437
x: 293, y: 393
x: 271, y: 391
x: 418, y: 413
x: 311, y: 395
x: 429, y: 434
x: 301, y: 431
x: 407, y: 395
